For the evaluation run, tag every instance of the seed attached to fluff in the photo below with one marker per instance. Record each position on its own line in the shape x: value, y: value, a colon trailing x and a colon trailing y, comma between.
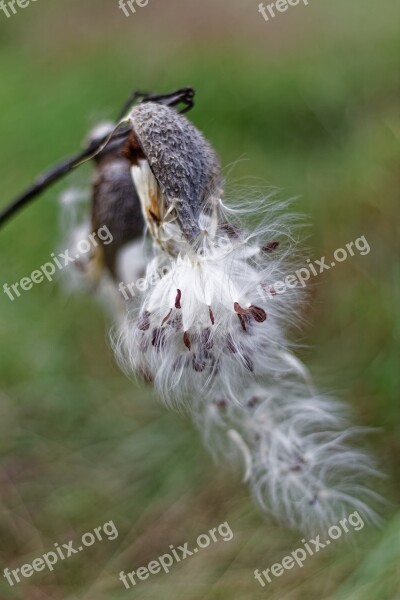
x: 256, y: 312
x: 212, y: 319
x: 243, y: 315
x: 270, y: 247
x: 230, y: 344
x: 239, y: 310
x: 186, y: 340
x: 158, y: 339
x: 230, y: 230
x: 166, y: 318
x: 178, y: 299
x: 243, y: 321
x: 222, y: 403
x: 144, y: 321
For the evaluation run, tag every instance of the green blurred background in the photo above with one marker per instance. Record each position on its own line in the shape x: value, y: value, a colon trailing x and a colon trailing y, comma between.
x: 308, y: 103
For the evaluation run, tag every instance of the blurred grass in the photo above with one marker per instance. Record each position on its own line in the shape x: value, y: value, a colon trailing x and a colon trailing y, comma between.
x: 309, y: 104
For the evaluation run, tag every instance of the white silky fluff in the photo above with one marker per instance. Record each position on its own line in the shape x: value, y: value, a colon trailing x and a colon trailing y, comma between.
x: 187, y: 336
x: 248, y: 394
x: 294, y: 448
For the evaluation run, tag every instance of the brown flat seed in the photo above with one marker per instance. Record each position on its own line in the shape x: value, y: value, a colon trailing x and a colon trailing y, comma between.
x: 242, y: 322
x: 238, y: 309
x: 258, y: 314
x: 178, y: 299
x: 222, y: 403
x: 167, y: 318
x: 230, y: 344
x: 230, y: 229
x: 186, y: 340
x: 158, y: 339
x: 270, y: 246
x: 211, y: 315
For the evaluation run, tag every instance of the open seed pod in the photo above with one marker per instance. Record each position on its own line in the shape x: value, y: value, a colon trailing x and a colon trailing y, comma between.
x: 176, y: 172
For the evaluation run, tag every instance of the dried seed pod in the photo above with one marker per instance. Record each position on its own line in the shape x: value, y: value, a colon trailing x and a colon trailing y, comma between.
x: 184, y: 166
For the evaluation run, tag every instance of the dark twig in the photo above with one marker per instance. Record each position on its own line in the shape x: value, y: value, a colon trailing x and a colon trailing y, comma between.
x: 184, y: 96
